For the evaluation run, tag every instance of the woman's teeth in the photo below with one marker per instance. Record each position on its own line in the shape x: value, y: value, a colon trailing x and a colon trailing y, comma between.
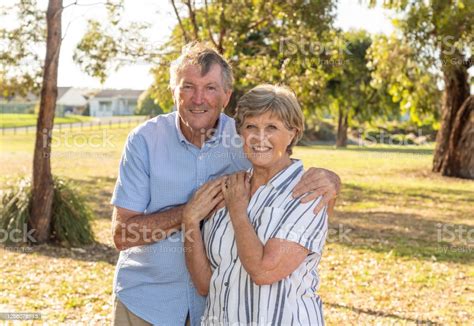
x: 261, y: 148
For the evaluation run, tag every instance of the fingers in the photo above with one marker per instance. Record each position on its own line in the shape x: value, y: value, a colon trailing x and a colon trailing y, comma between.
x: 303, y: 186
x: 316, y: 178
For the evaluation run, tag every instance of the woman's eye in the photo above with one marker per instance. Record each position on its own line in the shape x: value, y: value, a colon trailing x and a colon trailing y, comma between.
x: 249, y: 127
x: 272, y: 127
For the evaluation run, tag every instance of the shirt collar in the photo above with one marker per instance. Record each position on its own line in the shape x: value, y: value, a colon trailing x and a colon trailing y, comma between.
x: 214, y: 138
x: 286, y: 175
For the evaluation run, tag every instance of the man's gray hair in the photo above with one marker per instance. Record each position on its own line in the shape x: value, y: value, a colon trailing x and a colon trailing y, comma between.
x: 201, y: 54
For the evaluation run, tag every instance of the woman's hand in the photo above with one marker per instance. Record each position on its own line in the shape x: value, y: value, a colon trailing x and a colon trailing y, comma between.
x: 203, y: 202
x: 236, y: 191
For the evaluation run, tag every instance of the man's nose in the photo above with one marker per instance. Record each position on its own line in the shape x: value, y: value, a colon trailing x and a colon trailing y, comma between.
x: 198, y: 96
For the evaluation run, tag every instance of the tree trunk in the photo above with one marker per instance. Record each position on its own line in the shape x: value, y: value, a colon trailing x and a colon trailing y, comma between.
x: 341, y: 139
x: 459, y: 160
x: 455, y: 93
x: 42, y: 186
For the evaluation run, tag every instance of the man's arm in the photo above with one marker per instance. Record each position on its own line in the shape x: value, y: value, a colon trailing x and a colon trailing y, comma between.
x: 319, y: 182
x: 131, y: 229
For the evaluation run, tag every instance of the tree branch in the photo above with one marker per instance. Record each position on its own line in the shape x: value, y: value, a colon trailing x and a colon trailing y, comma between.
x: 185, y: 35
x: 206, y: 16
x: 192, y: 17
x: 220, y: 46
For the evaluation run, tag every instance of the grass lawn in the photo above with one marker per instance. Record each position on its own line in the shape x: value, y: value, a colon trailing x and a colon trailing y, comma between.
x: 395, y: 253
x: 10, y: 120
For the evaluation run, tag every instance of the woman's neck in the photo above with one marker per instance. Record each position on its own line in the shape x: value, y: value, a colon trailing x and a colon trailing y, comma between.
x: 262, y: 175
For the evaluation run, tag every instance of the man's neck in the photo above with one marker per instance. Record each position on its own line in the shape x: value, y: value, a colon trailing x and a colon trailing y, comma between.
x: 197, y: 137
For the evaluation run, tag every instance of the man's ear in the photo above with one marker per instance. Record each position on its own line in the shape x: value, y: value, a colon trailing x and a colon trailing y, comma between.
x: 172, y: 90
x: 228, y: 95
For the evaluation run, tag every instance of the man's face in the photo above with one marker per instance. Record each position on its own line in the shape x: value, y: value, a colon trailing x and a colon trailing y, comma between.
x: 200, y: 99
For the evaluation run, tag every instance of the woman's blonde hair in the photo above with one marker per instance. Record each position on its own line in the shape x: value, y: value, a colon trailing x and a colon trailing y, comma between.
x: 277, y: 99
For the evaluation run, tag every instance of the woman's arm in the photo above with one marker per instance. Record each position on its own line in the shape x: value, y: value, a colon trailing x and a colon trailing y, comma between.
x: 197, y: 209
x: 196, y: 259
x: 269, y: 263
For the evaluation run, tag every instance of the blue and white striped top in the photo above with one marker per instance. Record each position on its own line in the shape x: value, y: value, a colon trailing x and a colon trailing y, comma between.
x: 233, y: 298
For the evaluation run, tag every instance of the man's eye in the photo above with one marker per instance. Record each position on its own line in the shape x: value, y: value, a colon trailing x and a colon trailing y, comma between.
x: 272, y: 127
x: 187, y: 87
x: 211, y: 88
x: 250, y: 127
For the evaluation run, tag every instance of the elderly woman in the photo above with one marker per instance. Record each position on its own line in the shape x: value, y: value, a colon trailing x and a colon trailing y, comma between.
x: 257, y: 257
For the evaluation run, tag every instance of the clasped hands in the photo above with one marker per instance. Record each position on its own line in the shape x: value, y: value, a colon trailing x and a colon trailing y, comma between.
x: 232, y: 191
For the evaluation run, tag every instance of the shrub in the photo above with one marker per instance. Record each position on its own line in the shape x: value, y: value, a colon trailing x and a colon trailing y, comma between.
x: 70, y: 220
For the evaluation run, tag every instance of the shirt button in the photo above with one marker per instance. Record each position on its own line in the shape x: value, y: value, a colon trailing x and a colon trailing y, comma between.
x: 226, y: 283
x: 235, y: 260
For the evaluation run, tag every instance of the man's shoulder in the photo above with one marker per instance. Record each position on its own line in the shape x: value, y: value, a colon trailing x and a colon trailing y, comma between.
x: 228, y: 123
x: 161, y: 124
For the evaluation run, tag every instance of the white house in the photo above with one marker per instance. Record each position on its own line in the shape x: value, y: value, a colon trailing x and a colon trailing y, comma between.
x: 113, y: 102
x: 71, y: 100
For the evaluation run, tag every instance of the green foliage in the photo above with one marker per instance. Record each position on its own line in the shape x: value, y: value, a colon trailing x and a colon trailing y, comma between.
x: 15, y: 211
x: 70, y: 225
x: 105, y: 47
x: 272, y: 42
x: 21, y: 53
x: 102, y: 49
x: 396, y: 66
x: 71, y: 216
x: 350, y: 95
x: 436, y: 42
x: 147, y: 106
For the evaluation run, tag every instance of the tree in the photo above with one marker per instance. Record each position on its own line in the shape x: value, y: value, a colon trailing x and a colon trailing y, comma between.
x: 42, y: 186
x: 440, y: 31
x: 46, y: 194
x: 147, y: 106
x: 407, y: 78
x: 350, y: 94
x: 460, y: 153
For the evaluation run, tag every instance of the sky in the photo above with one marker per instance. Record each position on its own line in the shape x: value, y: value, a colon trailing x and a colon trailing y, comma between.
x: 350, y: 14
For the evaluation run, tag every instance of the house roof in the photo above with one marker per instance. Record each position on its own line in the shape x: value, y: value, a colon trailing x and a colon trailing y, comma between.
x: 119, y: 93
x: 62, y: 91
x: 71, y: 96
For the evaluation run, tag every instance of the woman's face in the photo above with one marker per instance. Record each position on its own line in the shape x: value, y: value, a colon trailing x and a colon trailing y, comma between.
x: 266, y: 139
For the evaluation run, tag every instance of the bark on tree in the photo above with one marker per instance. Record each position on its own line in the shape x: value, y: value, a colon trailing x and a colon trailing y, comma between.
x: 42, y: 185
x: 342, y: 126
x: 455, y: 93
x: 459, y: 160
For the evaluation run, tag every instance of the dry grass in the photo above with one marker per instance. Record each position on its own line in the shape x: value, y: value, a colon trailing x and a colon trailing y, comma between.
x: 388, y: 259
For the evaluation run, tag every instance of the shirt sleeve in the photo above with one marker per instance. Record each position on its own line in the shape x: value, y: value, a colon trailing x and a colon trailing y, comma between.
x: 299, y: 224
x: 132, y: 189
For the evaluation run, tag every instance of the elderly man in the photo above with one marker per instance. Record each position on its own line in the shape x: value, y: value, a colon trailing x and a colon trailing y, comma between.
x: 165, y: 160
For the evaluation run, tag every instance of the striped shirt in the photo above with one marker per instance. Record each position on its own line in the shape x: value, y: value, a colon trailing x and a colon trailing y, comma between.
x: 233, y: 298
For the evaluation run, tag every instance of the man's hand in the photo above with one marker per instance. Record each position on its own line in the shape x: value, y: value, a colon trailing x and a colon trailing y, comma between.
x: 319, y: 182
x: 204, y: 200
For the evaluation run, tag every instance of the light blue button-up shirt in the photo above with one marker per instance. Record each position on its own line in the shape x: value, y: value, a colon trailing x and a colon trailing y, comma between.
x: 159, y: 170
